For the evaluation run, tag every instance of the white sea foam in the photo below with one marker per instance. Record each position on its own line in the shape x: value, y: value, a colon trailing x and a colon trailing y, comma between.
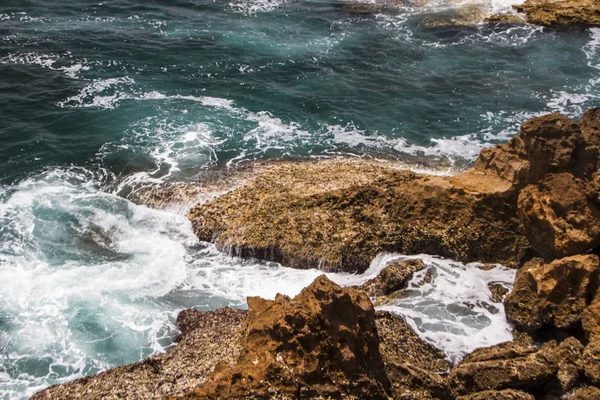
x: 454, y: 311
x: 64, y: 63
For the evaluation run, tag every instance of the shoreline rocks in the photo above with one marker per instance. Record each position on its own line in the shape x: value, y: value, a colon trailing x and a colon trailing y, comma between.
x: 561, y: 13
x: 534, y: 196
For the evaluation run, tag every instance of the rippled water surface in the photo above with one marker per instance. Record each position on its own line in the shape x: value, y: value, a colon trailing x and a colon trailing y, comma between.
x: 100, y: 98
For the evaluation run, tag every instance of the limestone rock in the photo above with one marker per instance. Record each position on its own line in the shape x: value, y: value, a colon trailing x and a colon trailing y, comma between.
x: 339, y: 215
x: 590, y: 319
x: 392, y: 278
x: 560, y: 215
x: 208, y: 339
x: 323, y: 342
x: 591, y: 361
x: 586, y: 393
x: 552, y: 294
x: 415, y: 367
x: 508, y: 394
x: 512, y: 365
x: 557, y: 13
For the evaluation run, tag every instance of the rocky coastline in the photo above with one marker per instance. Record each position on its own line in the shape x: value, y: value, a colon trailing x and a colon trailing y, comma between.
x: 532, y: 203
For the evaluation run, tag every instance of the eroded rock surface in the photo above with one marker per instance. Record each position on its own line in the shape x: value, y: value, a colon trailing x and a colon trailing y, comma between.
x: 392, y: 278
x: 208, y: 339
x: 557, y: 13
x: 554, y: 294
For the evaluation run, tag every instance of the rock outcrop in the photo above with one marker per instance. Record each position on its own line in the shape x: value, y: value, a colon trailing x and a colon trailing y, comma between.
x: 560, y: 13
x: 323, y: 343
x: 537, y: 192
x: 554, y: 294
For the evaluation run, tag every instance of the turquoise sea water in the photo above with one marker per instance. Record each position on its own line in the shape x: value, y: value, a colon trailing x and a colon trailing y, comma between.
x: 100, y: 98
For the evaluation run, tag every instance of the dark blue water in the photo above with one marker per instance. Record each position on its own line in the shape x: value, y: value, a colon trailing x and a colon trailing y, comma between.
x: 99, y: 98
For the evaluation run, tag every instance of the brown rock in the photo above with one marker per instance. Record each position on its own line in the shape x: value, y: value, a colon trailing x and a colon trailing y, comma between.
x: 339, y: 214
x: 511, y: 19
x: 590, y: 320
x: 552, y: 294
x: 416, y: 368
x: 321, y: 343
x: 392, y: 278
x: 507, y: 394
x: 586, y: 393
x: 498, y: 292
x: 560, y: 215
x: 557, y: 13
x: 512, y: 365
x: 591, y: 361
x: 211, y: 339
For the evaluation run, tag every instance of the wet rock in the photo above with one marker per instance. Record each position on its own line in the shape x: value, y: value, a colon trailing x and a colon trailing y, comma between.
x: 560, y: 215
x: 392, y: 278
x: 553, y: 294
x: 465, y: 16
x: 208, y: 339
x: 498, y: 292
x: 507, y: 394
x: 323, y: 342
x: 559, y: 13
x: 416, y: 368
x: 509, y: 19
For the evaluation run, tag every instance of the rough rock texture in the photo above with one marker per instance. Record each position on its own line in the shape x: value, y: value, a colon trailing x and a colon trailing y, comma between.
x: 323, y: 342
x: 338, y: 214
x: 561, y: 215
x: 557, y: 13
x: 553, y: 294
x: 520, y: 365
x: 208, y: 338
x: 415, y: 368
x: 507, y: 394
x: 392, y: 278
x: 591, y: 361
x: 586, y: 393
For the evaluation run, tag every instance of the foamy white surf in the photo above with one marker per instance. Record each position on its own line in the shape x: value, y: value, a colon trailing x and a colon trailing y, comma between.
x: 454, y: 312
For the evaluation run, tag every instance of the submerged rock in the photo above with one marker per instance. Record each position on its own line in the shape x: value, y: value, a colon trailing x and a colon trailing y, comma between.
x: 557, y: 13
x: 554, y: 294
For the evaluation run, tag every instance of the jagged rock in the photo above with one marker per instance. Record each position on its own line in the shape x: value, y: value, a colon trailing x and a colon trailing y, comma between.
x: 507, y: 394
x: 323, y: 342
x: 590, y: 320
x: 392, y: 278
x: 520, y: 365
x: 552, y: 294
x: 548, y: 144
x: 512, y: 365
x: 591, y: 361
x: 556, y: 13
x: 415, y: 367
x: 208, y: 339
x: 561, y: 216
x: 586, y: 393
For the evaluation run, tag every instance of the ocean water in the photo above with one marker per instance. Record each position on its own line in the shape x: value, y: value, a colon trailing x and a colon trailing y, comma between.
x: 101, y: 98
